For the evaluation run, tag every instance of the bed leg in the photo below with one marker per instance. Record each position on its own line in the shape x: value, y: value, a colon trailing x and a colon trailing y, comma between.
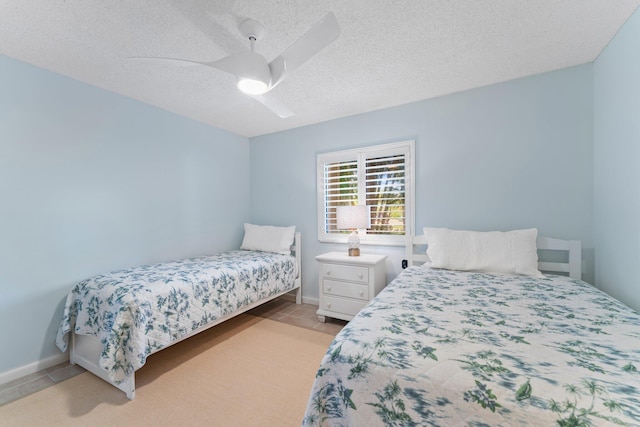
x: 72, y: 348
x: 299, y: 295
x: 129, y: 387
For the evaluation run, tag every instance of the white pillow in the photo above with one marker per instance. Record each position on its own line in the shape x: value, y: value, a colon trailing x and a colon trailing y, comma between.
x: 513, y: 252
x: 267, y: 238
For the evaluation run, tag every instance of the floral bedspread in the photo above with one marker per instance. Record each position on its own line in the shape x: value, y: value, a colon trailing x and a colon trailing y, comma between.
x: 444, y: 348
x: 138, y: 311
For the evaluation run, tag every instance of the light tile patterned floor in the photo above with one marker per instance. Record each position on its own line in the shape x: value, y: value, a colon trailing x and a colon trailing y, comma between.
x: 281, y: 309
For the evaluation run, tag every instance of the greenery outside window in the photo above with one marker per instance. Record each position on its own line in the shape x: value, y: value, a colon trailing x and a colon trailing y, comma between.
x: 381, y: 177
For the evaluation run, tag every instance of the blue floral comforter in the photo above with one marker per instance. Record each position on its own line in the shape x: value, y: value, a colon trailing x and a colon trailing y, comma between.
x: 138, y: 311
x: 445, y: 348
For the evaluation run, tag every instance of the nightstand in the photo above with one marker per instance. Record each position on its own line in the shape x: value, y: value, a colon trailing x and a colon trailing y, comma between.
x: 348, y: 283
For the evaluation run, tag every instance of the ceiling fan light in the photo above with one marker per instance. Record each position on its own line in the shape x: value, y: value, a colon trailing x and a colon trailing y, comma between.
x: 252, y: 86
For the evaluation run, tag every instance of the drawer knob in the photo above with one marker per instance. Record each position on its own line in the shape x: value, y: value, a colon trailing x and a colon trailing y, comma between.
x: 360, y: 275
x: 328, y: 272
x: 361, y: 293
x: 328, y: 288
x: 328, y: 305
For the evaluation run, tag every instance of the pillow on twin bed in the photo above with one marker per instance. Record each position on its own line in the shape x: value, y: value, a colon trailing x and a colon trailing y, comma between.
x: 513, y: 252
x: 267, y: 238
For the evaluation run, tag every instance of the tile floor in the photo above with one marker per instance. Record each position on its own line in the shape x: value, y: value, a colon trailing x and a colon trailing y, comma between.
x: 281, y: 309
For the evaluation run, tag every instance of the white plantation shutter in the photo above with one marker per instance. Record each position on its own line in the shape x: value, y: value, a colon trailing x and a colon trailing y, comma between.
x: 380, y: 177
x: 385, y: 194
x: 341, y: 188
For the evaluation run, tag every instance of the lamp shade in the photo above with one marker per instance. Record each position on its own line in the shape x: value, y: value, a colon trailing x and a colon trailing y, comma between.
x: 353, y: 217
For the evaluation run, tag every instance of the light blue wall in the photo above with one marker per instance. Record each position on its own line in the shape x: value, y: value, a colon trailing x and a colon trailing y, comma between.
x: 91, y: 181
x: 512, y: 155
x: 617, y: 164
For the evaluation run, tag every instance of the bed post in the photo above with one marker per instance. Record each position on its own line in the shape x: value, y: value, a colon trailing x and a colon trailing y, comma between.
x: 575, y: 259
x: 408, y: 250
x: 415, y: 252
x: 298, y: 248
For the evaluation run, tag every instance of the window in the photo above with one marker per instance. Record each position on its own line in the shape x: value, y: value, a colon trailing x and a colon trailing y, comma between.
x: 380, y: 177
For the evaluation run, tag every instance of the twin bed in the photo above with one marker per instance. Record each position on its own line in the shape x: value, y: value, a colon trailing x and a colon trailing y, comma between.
x: 470, y: 334
x: 117, y: 320
x: 447, y: 347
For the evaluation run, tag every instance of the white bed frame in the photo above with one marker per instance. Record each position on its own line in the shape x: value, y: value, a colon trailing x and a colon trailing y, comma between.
x: 416, y: 254
x: 85, y: 350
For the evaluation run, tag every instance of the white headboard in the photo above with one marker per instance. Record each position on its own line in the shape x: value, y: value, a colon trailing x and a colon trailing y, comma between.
x: 296, y: 250
x: 573, y: 266
x: 416, y: 254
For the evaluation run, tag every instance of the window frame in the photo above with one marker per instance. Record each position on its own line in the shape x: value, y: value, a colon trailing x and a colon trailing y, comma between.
x: 406, y: 148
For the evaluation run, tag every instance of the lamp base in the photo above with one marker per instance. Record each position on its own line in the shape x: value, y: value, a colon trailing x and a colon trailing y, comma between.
x: 354, y: 251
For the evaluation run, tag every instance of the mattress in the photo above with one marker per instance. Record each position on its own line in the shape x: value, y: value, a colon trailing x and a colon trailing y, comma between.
x: 445, y: 348
x: 138, y: 311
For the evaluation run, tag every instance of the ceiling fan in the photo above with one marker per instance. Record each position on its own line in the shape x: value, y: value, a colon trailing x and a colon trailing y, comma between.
x: 255, y: 76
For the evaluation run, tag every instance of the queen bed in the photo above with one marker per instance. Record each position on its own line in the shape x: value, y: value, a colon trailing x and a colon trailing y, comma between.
x: 444, y: 346
x: 117, y: 320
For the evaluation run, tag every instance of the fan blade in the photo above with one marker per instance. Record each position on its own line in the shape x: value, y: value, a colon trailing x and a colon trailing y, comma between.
x: 245, y: 64
x: 274, y: 104
x: 176, y: 61
x: 316, y: 39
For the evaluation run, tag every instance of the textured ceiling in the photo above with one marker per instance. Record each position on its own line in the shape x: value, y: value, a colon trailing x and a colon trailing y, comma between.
x: 389, y: 52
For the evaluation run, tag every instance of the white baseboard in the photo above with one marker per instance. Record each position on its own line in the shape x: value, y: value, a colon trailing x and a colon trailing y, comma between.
x: 310, y: 300
x: 305, y: 300
x: 34, y: 367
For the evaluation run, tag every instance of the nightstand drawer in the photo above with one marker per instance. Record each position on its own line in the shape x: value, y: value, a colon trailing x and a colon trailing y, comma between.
x: 345, y: 289
x: 344, y: 306
x: 345, y: 272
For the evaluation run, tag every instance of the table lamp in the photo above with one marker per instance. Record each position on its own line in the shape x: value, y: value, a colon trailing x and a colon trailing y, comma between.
x: 353, y: 218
